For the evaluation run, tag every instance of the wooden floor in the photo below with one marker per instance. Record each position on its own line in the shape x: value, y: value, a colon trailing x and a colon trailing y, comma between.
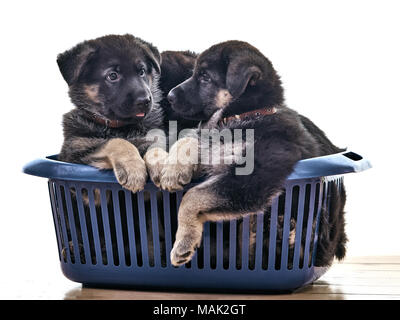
x: 356, y: 278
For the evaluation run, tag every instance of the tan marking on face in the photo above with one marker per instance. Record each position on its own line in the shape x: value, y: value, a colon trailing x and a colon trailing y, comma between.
x: 92, y: 92
x: 223, y: 98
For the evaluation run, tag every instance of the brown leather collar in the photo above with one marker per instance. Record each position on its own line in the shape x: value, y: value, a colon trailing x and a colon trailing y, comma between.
x: 266, y: 111
x: 104, y: 121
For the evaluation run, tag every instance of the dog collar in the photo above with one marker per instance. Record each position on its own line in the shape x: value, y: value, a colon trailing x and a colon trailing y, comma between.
x: 266, y: 111
x: 104, y: 121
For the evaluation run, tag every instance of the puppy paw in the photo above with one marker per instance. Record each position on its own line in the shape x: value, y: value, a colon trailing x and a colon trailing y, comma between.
x: 131, y: 174
x: 155, y: 160
x: 175, y: 176
x: 184, y: 249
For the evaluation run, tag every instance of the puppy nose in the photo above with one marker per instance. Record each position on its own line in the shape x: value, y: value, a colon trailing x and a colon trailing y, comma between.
x: 171, y: 97
x: 143, y: 101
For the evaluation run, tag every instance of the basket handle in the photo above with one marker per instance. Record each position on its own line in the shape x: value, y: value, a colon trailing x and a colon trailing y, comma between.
x: 333, y: 164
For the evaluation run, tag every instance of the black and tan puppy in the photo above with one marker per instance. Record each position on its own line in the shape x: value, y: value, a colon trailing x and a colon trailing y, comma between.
x: 236, y: 86
x: 113, y: 82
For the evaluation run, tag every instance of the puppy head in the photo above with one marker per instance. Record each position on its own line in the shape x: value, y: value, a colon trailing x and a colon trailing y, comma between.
x: 114, y: 76
x: 233, y: 76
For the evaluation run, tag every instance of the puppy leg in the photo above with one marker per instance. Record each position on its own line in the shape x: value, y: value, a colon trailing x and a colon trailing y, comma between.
x: 124, y: 158
x: 181, y: 164
x: 155, y: 160
x: 200, y: 204
x: 190, y: 225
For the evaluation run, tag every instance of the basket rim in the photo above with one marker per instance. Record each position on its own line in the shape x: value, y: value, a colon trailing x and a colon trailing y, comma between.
x: 330, y: 165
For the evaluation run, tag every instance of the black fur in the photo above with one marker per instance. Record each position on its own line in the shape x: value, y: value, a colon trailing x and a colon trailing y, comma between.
x: 281, y: 139
x: 176, y: 67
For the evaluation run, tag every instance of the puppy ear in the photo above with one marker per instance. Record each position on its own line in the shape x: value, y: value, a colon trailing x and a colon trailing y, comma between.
x: 152, y: 53
x: 241, y: 73
x: 72, y: 61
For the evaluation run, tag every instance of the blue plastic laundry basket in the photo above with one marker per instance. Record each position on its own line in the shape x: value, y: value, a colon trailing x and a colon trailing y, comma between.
x: 108, y: 236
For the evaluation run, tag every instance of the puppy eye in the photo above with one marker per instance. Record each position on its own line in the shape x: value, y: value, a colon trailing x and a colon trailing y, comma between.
x: 113, y: 76
x: 142, y: 72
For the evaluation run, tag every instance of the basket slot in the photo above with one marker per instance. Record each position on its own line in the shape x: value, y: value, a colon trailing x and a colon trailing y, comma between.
x: 298, y: 247
x: 106, y: 226
x: 213, y: 245
x: 86, y: 225
x: 122, y: 255
x: 64, y: 224
x: 272, y: 234
x: 314, y: 222
x: 206, y: 245
x: 232, y: 244
x: 220, y: 245
x: 286, y: 228
x: 265, y: 235
x: 56, y: 219
x: 309, y: 225
x: 142, y: 227
x: 161, y: 227
x: 252, y: 241
x: 167, y: 226
x: 97, y: 227
x: 83, y: 229
x: 279, y: 230
x: 149, y: 230
x: 155, y: 229
x: 75, y: 227
x: 127, y: 244
x: 245, y: 241
x: 130, y: 228
x: 138, y: 232
x: 304, y: 212
x: 292, y: 229
x: 317, y: 223
x: 225, y: 244
x: 259, y: 241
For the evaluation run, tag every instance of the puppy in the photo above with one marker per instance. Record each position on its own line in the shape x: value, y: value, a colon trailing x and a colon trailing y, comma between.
x: 113, y: 83
x: 234, y: 86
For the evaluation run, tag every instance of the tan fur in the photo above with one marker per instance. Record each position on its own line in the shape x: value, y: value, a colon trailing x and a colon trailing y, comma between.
x: 181, y: 164
x: 124, y: 158
x: 155, y: 159
x: 223, y: 98
x: 192, y: 214
x: 92, y: 92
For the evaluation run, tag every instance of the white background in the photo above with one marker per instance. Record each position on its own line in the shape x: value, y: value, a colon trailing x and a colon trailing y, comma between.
x: 339, y: 62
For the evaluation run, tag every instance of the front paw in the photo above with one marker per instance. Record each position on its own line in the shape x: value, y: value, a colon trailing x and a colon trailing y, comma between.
x: 184, y: 249
x: 131, y: 174
x: 175, y: 176
x: 155, y: 160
